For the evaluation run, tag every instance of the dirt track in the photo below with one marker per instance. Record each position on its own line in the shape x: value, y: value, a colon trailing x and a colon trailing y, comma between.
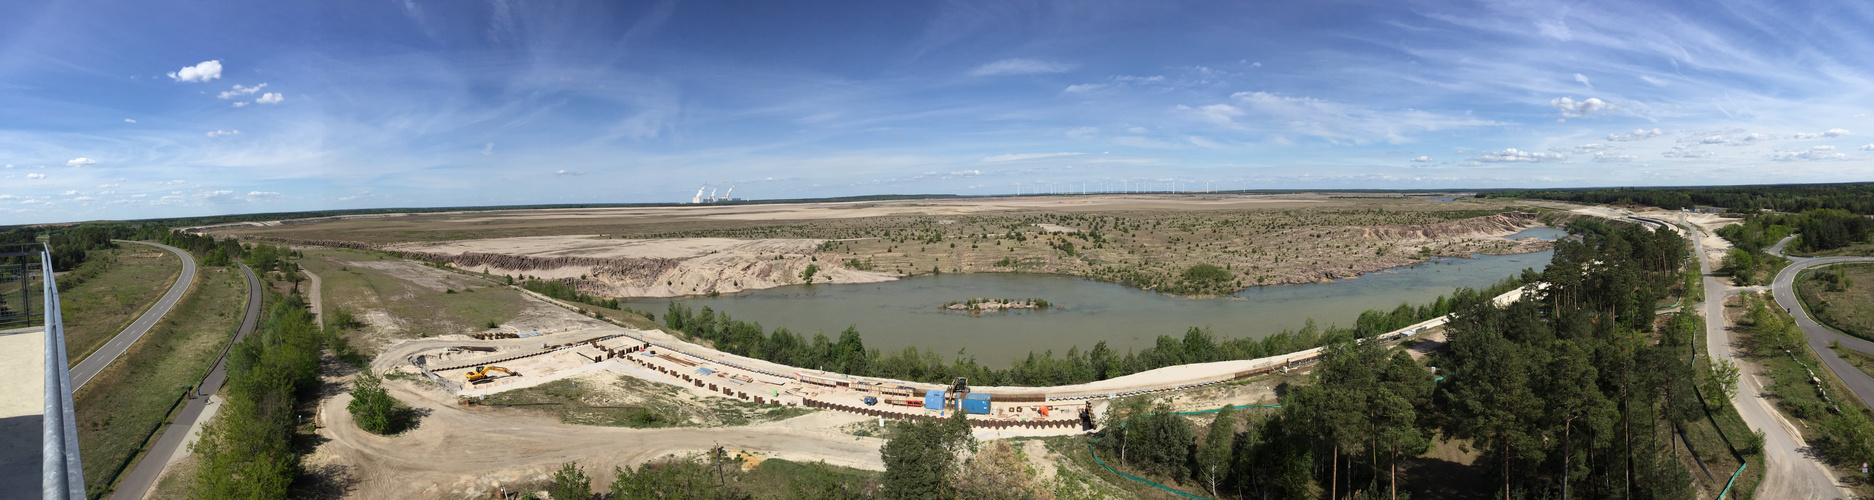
x: 458, y: 452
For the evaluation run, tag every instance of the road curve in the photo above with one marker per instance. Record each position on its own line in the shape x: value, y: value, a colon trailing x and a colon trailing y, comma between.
x: 1821, y: 336
x: 1789, y: 471
x: 137, y: 483
x: 104, y: 356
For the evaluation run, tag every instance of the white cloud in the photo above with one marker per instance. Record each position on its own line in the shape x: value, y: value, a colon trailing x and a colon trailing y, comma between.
x: 262, y: 193
x: 1422, y: 159
x: 240, y: 91
x: 1826, y: 134
x: 1582, y: 149
x: 270, y: 98
x: 221, y: 192
x: 127, y: 120
x: 1023, y: 156
x: 84, y: 198
x: 1219, y: 114
x: 966, y: 173
x: 219, y: 133
x: 1813, y: 154
x: 35, y: 176
x: 568, y: 172
x: 1020, y: 67
x: 172, y: 183
x: 8, y: 197
x: 1686, y: 152
x: 1869, y: 147
x: 1638, y: 134
x: 107, y: 186
x: 202, y: 72
x: 240, y: 104
x: 71, y: 192
x: 9, y: 165
x: 1609, y: 156
x: 1572, y: 108
x: 80, y: 162
x: 1584, y: 80
x: 1513, y: 155
x: 489, y: 149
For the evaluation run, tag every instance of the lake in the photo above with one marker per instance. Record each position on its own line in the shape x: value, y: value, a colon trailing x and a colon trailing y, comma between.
x: 908, y: 312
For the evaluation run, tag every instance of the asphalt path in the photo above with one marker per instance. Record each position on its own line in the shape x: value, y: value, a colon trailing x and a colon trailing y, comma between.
x: 1791, y: 471
x: 104, y: 356
x: 137, y: 483
x: 1820, y: 337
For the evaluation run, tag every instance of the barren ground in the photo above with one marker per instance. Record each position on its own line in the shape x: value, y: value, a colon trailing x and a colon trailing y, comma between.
x: 1146, y: 241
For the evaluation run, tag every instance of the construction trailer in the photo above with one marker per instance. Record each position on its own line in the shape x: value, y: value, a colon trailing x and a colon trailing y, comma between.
x: 976, y: 403
x: 934, y: 400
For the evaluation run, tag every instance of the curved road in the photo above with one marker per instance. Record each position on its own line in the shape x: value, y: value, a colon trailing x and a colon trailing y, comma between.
x: 104, y: 356
x: 1820, y: 336
x: 137, y: 483
x: 1790, y: 472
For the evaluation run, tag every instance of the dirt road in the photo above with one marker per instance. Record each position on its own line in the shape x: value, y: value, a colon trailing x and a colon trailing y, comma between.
x: 457, y: 450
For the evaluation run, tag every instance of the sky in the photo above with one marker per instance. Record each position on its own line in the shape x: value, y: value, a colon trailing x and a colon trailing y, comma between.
x: 121, y: 109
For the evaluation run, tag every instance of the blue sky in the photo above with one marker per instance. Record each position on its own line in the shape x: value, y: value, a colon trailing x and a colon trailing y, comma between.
x: 135, y: 109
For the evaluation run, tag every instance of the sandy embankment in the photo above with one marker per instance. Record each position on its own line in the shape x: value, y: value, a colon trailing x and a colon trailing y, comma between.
x: 646, y: 267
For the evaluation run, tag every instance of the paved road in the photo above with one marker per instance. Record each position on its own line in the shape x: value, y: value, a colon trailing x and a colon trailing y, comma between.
x: 1820, y: 336
x: 137, y: 483
x: 104, y: 356
x: 1790, y: 471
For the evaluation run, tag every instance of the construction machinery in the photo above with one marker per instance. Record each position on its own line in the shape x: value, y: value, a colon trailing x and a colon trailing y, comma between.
x: 480, y: 373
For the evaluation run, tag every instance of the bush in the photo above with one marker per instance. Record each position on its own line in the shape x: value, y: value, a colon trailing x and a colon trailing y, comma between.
x: 570, y: 483
x: 371, y: 406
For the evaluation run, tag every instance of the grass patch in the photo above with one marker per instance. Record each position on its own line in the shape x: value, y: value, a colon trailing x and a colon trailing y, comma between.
x: 1712, y: 440
x: 113, y: 288
x: 1861, y: 360
x: 121, y: 409
x: 776, y: 478
x: 632, y: 402
x: 415, y: 295
x: 1841, y: 296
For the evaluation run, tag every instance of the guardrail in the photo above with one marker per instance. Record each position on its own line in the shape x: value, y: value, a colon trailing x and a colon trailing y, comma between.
x: 62, y: 476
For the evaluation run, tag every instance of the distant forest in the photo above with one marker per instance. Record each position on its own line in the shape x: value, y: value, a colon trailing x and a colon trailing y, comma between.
x: 1855, y: 197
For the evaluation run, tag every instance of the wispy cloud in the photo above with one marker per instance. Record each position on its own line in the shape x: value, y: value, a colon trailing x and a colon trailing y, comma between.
x: 1023, y: 156
x: 240, y: 91
x: 1020, y: 67
x: 219, y: 133
x: 80, y: 162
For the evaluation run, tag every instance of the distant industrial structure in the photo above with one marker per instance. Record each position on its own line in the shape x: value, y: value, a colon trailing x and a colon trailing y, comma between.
x: 700, y: 199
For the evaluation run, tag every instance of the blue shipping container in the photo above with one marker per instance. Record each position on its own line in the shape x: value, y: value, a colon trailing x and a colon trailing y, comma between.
x: 976, y: 403
x: 934, y: 400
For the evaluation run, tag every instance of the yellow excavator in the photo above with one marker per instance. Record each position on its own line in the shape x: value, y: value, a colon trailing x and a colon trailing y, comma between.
x: 480, y: 373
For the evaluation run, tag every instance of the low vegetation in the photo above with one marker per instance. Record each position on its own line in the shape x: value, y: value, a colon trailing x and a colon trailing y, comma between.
x: 1841, y: 296
x: 120, y: 412
x: 109, y: 291
x: 633, y: 402
x: 1853, y: 197
x: 373, y: 285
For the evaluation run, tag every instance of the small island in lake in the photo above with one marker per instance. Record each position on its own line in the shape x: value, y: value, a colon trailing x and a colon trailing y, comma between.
x: 980, y: 305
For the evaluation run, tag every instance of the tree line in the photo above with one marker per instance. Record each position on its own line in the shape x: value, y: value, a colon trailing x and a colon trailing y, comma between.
x: 848, y: 354
x: 1569, y: 393
x: 247, y: 451
x: 1855, y: 197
